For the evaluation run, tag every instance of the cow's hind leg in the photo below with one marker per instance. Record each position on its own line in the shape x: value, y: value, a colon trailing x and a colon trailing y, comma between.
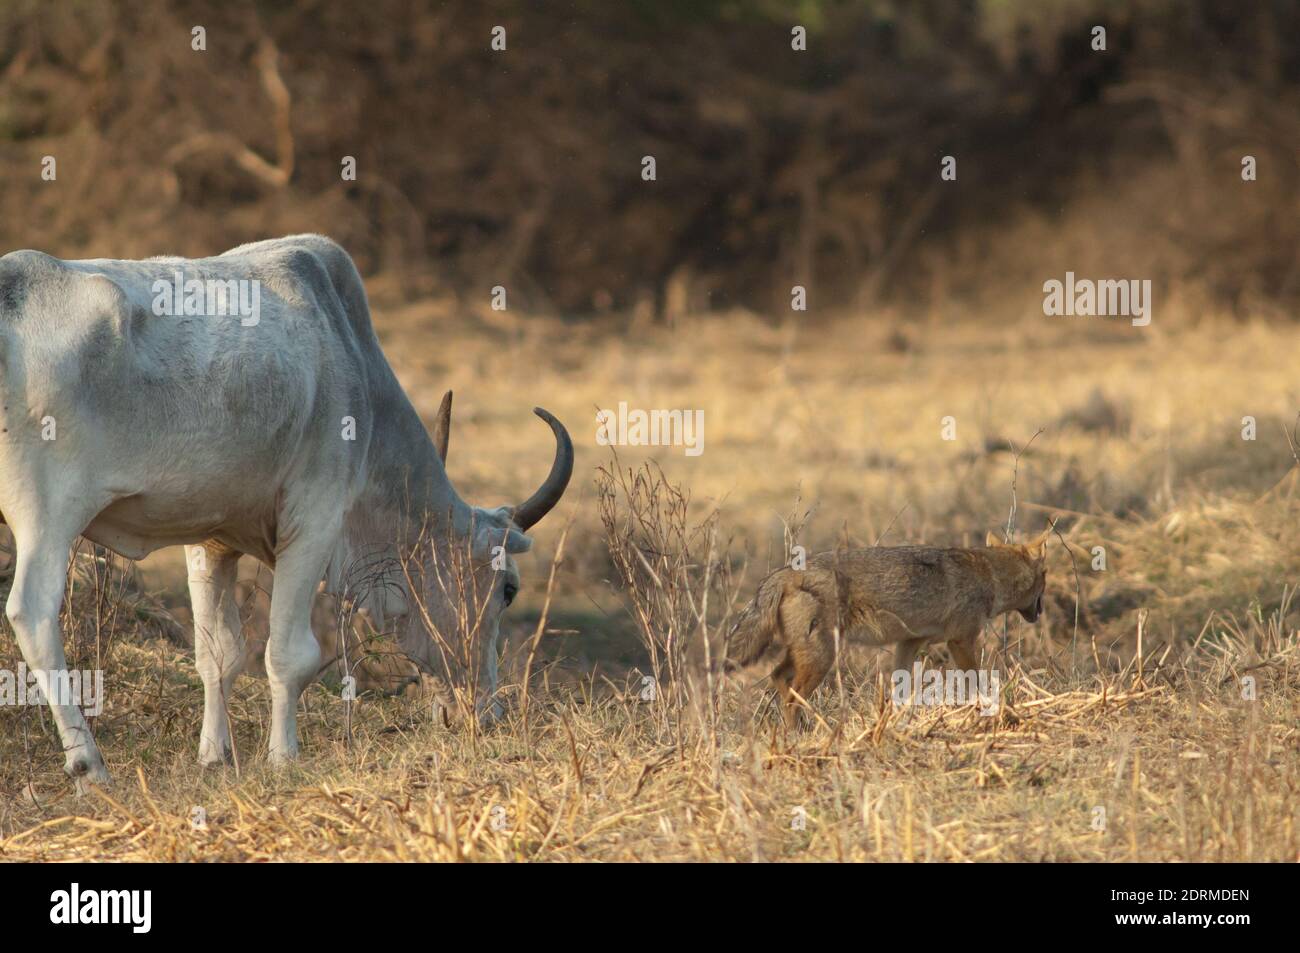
x: 40, y: 575
x: 219, y: 652
x: 293, y: 655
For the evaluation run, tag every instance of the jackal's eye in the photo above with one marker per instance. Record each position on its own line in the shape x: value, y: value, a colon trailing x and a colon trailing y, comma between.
x: 508, y: 592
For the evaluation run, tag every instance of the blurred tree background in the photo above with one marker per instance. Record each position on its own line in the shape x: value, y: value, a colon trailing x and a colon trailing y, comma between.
x: 775, y: 167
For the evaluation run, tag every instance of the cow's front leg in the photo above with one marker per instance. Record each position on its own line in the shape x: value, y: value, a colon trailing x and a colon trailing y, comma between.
x: 292, y: 653
x: 33, y: 610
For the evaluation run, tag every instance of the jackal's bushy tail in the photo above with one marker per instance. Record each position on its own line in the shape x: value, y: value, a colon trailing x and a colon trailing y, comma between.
x: 755, y: 642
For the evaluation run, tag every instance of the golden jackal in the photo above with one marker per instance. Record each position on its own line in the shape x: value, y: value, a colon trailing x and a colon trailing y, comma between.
x: 909, y: 595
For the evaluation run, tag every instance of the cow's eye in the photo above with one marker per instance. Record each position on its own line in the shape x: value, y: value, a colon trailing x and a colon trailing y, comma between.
x: 508, y: 592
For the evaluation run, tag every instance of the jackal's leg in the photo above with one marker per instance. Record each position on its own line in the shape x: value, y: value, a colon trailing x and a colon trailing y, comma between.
x: 797, y: 694
x: 807, y: 678
x: 966, y: 656
x: 813, y: 658
x: 905, y: 654
x: 809, y: 654
x: 782, y: 680
x: 964, y: 653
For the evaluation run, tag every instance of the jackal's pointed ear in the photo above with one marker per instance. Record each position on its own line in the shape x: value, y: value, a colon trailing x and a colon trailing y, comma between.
x: 992, y: 539
x: 1037, y: 546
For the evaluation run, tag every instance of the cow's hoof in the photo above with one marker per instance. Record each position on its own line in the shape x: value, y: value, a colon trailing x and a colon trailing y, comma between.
x: 86, y: 771
x: 215, y: 759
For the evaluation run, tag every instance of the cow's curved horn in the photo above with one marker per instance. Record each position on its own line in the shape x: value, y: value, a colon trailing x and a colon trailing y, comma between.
x: 442, y: 427
x: 544, y: 500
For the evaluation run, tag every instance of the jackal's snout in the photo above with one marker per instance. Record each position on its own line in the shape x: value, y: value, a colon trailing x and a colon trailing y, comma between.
x: 1032, y: 572
x: 1032, y: 613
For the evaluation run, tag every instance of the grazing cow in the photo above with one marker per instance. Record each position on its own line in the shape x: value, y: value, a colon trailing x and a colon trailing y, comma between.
x: 133, y: 414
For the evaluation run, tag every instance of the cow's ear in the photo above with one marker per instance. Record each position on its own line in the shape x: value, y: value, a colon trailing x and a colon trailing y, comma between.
x: 517, y: 542
x: 489, y: 541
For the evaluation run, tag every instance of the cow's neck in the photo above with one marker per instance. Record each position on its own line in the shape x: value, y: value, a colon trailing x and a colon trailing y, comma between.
x: 406, y: 500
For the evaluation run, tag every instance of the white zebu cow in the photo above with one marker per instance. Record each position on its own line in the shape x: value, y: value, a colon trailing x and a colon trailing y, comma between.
x: 231, y: 436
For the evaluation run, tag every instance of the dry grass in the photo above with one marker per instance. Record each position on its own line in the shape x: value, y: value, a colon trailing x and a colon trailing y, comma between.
x: 1196, y: 524
x: 1184, y: 769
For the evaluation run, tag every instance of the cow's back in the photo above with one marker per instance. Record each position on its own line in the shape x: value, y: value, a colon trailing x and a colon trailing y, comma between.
x: 189, y: 420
